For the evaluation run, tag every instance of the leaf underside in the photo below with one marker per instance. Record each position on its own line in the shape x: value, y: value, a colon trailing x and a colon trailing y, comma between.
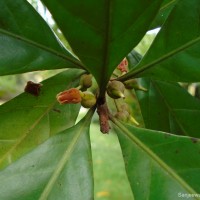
x: 159, y: 165
x: 60, y: 168
x: 27, y: 120
x: 109, y: 30
x: 27, y: 43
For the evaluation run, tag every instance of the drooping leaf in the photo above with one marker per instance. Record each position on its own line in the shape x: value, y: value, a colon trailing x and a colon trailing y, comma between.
x: 174, y: 53
x: 58, y: 169
x: 100, y: 32
x: 26, y: 41
x: 159, y: 165
x: 27, y: 121
x: 169, y: 107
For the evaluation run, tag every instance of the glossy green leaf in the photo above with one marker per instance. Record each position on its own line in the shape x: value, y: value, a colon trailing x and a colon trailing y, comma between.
x: 169, y: 107
x: 133, y: 59
x: 164, y: 12
x: 27, y: 121
x: 26, y: 41
x: 174, y: 53
x: 60, y: 168
x: 100, y: 32
x: 159, y: 165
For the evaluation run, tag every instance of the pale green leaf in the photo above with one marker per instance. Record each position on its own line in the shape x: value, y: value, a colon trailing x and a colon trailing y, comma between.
x: 60, y: 168
x: 27, y: 120
x: 159, y: 165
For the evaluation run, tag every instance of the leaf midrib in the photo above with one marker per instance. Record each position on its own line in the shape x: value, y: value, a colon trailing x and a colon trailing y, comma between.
x: 64, y: 159
x: 141, y: 68
x: 167, y: 5
x: 158, y: 160
x: 21, y: 139
x: 106, y: 48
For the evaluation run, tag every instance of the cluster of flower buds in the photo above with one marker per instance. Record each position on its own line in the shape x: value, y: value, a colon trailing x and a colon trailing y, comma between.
x: 75, y: 95
x: 116, y: 89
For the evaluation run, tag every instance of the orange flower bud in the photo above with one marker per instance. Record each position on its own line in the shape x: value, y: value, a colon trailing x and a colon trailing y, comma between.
x: 69, y: 96
x: 123, y: 65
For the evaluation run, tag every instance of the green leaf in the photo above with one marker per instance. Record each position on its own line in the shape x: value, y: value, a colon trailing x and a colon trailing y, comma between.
x: 174, y: 53
x: 101, y: 33
x: 133, y: 58
x: 26, y: 41
x: 164, y: 12
x: 169, y: 107
x: 58, y: 169
x: 27, y: 121
x: 159, y: 165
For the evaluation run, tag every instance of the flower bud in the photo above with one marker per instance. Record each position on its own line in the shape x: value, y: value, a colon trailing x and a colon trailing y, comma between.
x: 122, y: 116
x: 126, y: 107
x: 133, y: 120
x: 86, y: 81
x: 116, y: 89
x: 88, y: 99
x: 132, y: 84
x: 69, y: 96
x: 125, y: 116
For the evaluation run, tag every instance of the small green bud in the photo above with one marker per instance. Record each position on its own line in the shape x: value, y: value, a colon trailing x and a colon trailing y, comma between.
x: 126, y: 107
x: 122, y: 116
x: 133, y: 84
x: 86, y: 81
x: 116, y: 89
x: 125, y: 116
x: 88, y: 99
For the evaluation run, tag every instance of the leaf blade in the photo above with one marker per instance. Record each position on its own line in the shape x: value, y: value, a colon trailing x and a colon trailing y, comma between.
x: 103, y: 27
x: 145, y: 150
x: 169, y: 49
x: 28, y: 120
x: 170, y: 104
x: 59, y: 162
x: 30, y: 43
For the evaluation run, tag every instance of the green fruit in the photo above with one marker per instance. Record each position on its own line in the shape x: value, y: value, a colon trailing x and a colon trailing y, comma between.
x: 86, y: 81
x: 88, y: 99
x: 116, y: 89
